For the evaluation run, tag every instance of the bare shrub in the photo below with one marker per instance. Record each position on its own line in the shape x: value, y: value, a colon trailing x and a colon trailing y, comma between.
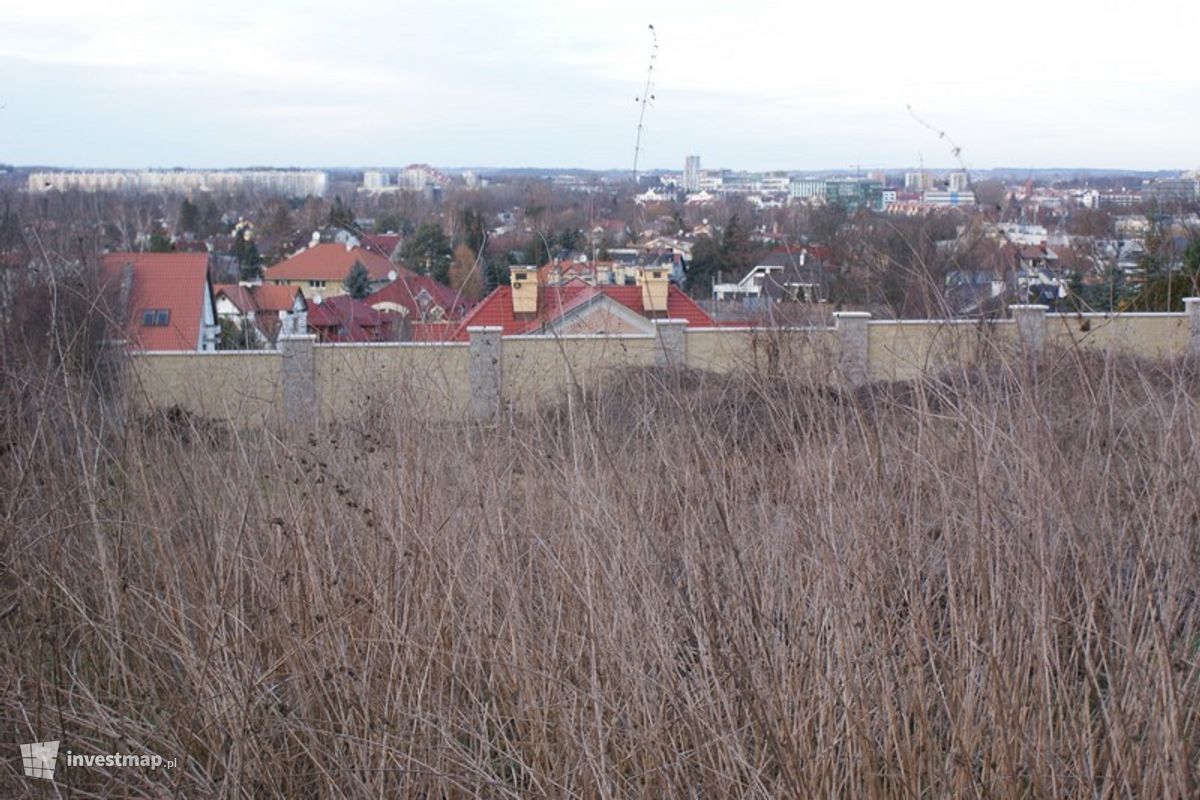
x: 978, y: 584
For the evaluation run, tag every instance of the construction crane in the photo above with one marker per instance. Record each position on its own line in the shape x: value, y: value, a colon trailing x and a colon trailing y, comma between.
x: 644, y: 100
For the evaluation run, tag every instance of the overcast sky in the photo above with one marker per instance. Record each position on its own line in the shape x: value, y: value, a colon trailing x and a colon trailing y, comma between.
x: 748, y: 84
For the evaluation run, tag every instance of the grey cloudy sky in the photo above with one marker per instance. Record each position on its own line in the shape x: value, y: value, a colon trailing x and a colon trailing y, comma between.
x: 755, y: 85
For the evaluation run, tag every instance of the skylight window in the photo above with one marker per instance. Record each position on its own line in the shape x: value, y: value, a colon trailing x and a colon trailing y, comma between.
x: 156, y: 317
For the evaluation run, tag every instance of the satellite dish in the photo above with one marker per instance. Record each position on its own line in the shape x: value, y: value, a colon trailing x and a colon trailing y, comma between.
x: 318, y: 299
x: 392, y: 275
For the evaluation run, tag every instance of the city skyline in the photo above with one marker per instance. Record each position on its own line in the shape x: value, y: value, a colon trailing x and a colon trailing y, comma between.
x: 536, y: 85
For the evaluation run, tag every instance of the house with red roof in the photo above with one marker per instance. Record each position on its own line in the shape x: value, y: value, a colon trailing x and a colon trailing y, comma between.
x: 529, y: 306
x: 387, y: 244
x: 420, y: 299
x: 341, y: 318
x: 260, y: 308
x: 164, y: 300
x: 321, y: 268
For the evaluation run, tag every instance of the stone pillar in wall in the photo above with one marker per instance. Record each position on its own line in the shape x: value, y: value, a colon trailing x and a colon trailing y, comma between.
x: 671, y: 345
x: 1031, y: 326
x: 485, y: 372
x: 851, y: 327
x: 1192, y: 306
x: 298, y: 380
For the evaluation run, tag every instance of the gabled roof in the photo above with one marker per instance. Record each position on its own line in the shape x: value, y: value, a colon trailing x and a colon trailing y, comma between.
x: 263, y: 297
x: 341, y: 318
x: 174, y: 282
x: 567, y: 269
x: 406, y: 293
x: 385, y: 243
x: 555, y: 301
x: 331, y: 262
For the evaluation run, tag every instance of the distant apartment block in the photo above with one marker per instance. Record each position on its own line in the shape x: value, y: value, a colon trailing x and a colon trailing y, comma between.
x: 1120, y: 199
x: 292, y: 183
x: 712, y: 180
x: 775, y: 183
x: 948, y: 198
x: 959, y: 181
x: 691, y: 174
x: 804, y: 188
x: 416, y: 177
x: 1168, y: 189
x: 374, y: 180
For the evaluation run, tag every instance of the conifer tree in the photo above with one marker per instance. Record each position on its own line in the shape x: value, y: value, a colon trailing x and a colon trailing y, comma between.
x: 358, y: 281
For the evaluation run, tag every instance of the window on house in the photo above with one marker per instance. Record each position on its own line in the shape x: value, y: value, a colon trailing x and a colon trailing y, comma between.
x: 156, y: 317
x: 316, y: 284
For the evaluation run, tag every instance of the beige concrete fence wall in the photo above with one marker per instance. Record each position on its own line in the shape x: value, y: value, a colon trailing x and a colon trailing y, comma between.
x: 905, y: 349
x: 234, y: 385
x: 1150, y: 335
x: 538, y: 369
x: 303, y: 383
x: 763, y: 351
x: 429, y: 380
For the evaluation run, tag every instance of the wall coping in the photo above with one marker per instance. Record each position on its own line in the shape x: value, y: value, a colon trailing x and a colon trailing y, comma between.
x: 952, y: 321
x: 551, y: 337
x: 139, y: 353
x: 356, y: 345
x: 1118, y: 314
x: 852, y: 315
x: 484, y: 329
x: 761, y: 329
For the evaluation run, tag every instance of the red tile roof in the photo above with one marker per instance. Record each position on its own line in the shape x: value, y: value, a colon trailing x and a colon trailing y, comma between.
x: 432, y: 332
x: 405, y: 290
x: 343, y: 319
x: 175, y: 282
x: 274, y: 298
x: 331, y: 262
x: 239, y: 295
x: 385, y: 243
x: 264, y: 297
x: 554, y: 301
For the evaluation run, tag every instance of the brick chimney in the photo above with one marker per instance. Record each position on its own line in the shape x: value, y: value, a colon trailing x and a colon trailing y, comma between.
x: 125, y: 290
x: 654, y: 282
x: 524, y: 283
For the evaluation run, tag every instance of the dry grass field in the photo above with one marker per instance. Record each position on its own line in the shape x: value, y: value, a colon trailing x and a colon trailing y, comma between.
x: 981, y: 584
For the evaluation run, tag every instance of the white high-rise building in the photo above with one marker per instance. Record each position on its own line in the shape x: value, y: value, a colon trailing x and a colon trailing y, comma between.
x: 293, y: 183
x: 374, y: 179
x: 959, y: 181
x: 691, y: 174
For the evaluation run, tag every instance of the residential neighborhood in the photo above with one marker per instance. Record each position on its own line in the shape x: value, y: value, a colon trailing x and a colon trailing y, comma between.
x: 589, y: 401
x: 730, y: 247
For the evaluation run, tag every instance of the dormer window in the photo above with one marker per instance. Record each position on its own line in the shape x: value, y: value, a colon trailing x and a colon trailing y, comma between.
x: 156, y: 317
